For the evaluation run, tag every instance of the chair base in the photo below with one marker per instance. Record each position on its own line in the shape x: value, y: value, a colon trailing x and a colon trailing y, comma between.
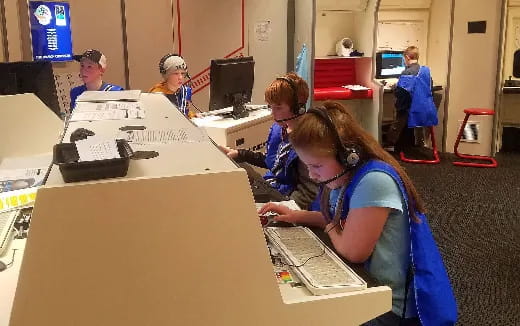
x: 436, y: 159
x: 492, y: 162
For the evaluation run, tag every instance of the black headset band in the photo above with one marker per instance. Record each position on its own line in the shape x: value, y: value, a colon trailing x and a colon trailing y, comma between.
x: 295, y: 102
x: 163, y: 60
x: 324, y: 116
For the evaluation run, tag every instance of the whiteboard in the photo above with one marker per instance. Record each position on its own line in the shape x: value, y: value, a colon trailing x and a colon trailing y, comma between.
x: 398, y: 35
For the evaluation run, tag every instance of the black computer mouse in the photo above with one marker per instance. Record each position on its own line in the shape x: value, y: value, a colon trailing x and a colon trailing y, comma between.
x: 80, y: 133
x: 3, y: 266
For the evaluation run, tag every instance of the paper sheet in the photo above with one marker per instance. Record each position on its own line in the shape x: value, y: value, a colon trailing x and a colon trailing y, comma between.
x: 99, y: 115
x: 97, y: 148
x: 15, y: 179
x: 166, y: 136
x: 101, y: 96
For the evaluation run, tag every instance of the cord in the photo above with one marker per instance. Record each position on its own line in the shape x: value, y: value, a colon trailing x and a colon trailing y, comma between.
x: 200, y: 111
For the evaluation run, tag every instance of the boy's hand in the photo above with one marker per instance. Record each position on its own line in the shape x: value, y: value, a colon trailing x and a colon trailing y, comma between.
x: 231, y: 153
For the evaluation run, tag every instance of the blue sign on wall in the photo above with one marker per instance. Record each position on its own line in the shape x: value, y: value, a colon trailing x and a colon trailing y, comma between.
x: 50, y: 30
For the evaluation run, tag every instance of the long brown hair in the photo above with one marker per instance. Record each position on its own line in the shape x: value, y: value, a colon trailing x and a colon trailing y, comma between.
x: 313, y: 134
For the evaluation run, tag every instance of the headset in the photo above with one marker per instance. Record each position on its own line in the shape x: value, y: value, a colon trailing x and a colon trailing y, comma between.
x: 162, y: 70
x: 348, y: 156
x: 296, y: 108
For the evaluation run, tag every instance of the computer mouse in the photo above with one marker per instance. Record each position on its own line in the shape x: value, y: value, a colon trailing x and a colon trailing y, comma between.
x: 80, y: 133
x: 3, y: 266
x: 280, y: 224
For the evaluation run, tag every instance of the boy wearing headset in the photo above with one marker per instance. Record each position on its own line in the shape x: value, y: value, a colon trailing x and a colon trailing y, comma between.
x: 174, y: 71
x: 93, y: 65
x: 286, y: 97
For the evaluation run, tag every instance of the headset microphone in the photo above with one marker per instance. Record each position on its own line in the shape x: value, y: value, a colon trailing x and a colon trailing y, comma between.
x: 289, y: 119
x: 334, y: 178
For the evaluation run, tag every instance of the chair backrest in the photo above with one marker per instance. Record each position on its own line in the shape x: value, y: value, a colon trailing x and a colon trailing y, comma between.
x: 334, y: 72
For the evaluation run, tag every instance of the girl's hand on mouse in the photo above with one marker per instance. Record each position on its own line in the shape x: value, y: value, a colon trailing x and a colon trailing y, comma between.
x: 285, y: 214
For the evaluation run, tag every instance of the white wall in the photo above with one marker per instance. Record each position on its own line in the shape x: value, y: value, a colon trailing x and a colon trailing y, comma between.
x: 304, y: 11
x: 473, y: 70
x: 404, y: 28
x: 437, y: 54
x: 332, y: 26
x: 268, y: 49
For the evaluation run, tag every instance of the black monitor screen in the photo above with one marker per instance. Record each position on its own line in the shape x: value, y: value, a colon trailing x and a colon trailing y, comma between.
x: 389, y: 64
x: 30, y: 77
x: 231, y: 83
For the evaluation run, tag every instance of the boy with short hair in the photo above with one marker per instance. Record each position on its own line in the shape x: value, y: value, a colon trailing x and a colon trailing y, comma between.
x: 93, y: 65
x: 413, y: 102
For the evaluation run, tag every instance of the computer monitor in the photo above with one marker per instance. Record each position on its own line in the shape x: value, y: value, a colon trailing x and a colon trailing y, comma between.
x: 30, y: 77
x: 389, y: 64
x: 231, y: 84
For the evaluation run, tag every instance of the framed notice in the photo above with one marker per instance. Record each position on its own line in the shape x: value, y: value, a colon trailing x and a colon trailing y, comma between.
x: 50, y: 30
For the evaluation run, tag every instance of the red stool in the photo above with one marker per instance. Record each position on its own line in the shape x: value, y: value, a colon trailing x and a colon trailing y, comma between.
x: 436, y: 158
x: 492, y: 162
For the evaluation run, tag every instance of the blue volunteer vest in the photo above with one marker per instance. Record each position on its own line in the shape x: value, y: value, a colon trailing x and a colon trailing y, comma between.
x: 432, y: 293
x: 423, y: 112
x: 281, y: 160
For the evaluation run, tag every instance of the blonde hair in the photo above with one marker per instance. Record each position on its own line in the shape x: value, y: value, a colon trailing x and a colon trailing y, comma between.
x: 313, y: 134
x: 281, y: 92
x: 412, y: 52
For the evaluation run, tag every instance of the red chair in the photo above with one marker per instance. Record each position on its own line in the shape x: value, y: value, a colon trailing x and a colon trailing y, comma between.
x: 436, y: 158
x: 492, y: 162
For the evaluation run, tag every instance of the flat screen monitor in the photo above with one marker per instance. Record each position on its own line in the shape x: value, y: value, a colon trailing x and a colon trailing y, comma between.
x: 231, y: 84
x: 30, y: 77
x: 389, y: 64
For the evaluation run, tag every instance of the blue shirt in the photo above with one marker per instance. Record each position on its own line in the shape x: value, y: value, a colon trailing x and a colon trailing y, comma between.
x: 77, y: 91
x: 390, y: 259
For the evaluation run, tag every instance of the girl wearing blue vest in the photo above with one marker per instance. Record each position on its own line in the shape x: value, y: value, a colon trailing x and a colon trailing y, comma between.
x: 373, y: 214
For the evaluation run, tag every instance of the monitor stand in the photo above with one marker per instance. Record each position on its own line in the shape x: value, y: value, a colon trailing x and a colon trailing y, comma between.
x: 239, y: 108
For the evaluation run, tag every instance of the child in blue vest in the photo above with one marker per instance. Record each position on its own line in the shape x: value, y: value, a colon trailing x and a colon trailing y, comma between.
x: 286, y: 97
x: 413, y: 102
x: 93, y: 65
x: 373, y: 214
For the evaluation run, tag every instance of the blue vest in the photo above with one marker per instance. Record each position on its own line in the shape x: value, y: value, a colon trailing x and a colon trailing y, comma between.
x: 281, y: 160
x: 183, y: 96
x: 432, y: 292
x: 423, y: 112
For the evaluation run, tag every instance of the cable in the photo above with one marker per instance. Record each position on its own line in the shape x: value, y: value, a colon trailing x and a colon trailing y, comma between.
x: 200, y: 111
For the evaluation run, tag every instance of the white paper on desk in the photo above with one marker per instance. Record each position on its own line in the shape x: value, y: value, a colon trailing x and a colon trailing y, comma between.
x: 97, y: 148
x: 356, y: 87
x: 102, y: 96
x: 15, y: 179
x: 165, y: 136
x: 98, y: 115
x: 107, y: 106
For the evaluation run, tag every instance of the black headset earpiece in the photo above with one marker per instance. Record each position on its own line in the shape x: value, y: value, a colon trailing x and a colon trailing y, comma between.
x: 163, y: 60
x: 347, y: 156
x: 296, y: 107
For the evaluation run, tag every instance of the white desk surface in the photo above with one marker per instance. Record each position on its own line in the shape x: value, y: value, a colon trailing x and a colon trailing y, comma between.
x: 229, y: 122
x: 9, y: 279
x: 160, y: 114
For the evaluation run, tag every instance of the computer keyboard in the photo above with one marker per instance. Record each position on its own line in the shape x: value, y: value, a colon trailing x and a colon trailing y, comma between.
x: 318, y: 267
x: 7, y: 219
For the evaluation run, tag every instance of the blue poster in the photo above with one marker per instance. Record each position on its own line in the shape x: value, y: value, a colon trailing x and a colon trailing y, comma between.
x: 50, y: 30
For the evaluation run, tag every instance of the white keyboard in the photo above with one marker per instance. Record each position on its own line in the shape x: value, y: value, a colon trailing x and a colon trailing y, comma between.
x: 318, y: 267
x: 228, y: 110
x: 7, y: 220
